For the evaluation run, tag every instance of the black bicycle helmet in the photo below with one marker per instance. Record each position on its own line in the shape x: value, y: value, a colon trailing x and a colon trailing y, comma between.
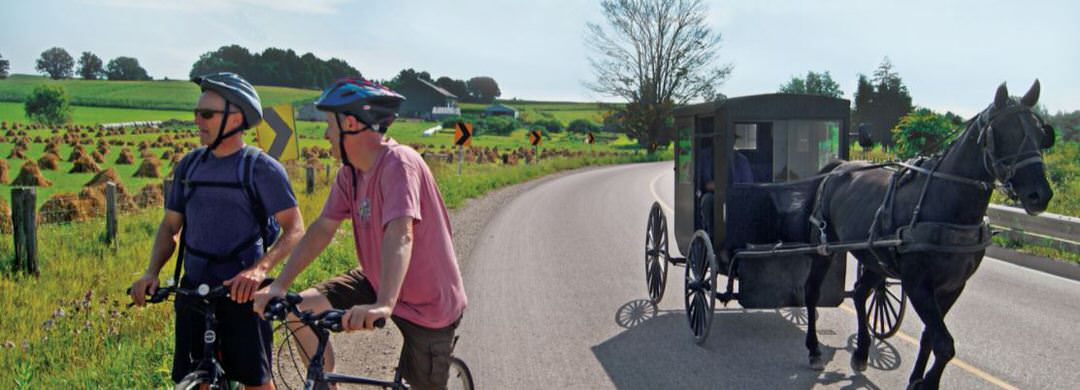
x: 237, y: 93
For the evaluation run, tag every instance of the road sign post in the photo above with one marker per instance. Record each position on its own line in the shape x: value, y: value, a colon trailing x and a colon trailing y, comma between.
x: 462, y: 138
x: 534, y: 139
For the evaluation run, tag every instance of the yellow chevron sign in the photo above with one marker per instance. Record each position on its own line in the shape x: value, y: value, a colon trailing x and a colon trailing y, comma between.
x: 276, y: 134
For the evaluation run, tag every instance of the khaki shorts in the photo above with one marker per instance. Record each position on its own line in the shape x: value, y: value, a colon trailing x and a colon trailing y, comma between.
x: 425, y: 357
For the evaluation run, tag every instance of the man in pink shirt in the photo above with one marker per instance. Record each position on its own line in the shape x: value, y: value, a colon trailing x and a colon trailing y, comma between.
x: 407, y: 270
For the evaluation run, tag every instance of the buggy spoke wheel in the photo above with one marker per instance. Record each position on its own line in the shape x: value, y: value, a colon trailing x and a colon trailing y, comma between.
x: 656, y: 253
x: 700, y: 297
x: 885, y: 309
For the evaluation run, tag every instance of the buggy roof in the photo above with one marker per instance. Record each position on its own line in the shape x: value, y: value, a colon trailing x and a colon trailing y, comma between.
x: 774, y: 106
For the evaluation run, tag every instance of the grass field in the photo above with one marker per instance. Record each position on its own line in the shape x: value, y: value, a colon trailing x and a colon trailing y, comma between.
x: 69, y: 328
x: 564, y: 112
x: 159, y: 95
x: 86, y: 115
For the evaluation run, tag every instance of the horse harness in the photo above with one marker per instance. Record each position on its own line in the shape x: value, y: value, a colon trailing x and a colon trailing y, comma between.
x: 924, y: 236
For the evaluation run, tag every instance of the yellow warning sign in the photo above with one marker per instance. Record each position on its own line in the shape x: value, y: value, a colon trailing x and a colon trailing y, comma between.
x: 276, y: 134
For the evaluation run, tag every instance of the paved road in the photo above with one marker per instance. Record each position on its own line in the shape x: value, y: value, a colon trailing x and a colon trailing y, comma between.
x: 559, y: 270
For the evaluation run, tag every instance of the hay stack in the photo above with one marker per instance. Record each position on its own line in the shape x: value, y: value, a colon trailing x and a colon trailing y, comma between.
x: 98, y: 157
x: 84, y: 165
x: 314, y: 162
x: 166, y: 155
x: 94, y: 192
x: 30, y: 176
x: 61, y: 208
x: 149, y: 168
x: 49, y: 161
x: 77, y: 153
x: 17, y: 153
x: 4, y: 168
x: 151, y: 195
x: 175, y: 159
x: 125, y: 158
x: 103, y: 149
x: 5, y: 218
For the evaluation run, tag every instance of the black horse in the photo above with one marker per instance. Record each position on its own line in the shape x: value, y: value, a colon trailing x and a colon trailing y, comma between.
x: 1002, y: 145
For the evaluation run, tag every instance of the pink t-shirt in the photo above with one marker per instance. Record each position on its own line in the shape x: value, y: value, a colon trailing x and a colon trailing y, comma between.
x: 400, y: 185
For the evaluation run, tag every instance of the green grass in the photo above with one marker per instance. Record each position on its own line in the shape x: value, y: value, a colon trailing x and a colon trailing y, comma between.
x: 98, y: 343
x: 1035, y: 248
x: 564, y: 112
x: 157, y: 94
x: 86, y: 115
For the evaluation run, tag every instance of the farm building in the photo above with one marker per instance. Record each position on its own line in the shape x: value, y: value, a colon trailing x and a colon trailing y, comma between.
x: 500, y: 109
x: 425, y: 100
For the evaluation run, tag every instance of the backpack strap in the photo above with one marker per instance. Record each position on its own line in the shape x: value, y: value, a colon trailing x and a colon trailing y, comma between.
x: 197, y: 155
x: 246, y: 173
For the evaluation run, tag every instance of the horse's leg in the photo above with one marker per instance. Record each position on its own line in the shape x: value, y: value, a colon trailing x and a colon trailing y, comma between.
x: 925, y: 342
x: 925, y: 302
x: 933, y: 377
x: 863, y: 286
x: 819, y: 266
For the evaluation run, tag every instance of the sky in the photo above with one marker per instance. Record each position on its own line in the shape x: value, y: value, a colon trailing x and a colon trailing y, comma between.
x: 951, y: 55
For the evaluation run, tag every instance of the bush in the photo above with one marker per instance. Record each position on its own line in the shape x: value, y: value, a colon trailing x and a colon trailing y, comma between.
x: 550, y: 125
x: 49, y: 105
x: 498, y: 125
x: 922, y: 132
x: 583, y: 126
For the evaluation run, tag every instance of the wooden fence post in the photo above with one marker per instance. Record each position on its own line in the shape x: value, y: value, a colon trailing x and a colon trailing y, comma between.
x: 167, y: 188
x: 110, y: 213
x: 310, y: 171
x: 23, y: 217
x: 328, y: 173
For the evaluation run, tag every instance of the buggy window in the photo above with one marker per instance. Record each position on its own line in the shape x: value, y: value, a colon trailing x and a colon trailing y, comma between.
x: 802, y: 147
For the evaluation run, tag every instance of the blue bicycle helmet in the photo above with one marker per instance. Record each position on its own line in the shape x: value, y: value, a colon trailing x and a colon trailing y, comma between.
x: 372, y: 104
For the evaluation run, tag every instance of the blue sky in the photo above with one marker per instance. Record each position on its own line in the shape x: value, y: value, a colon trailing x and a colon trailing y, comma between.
x: 950, y: 54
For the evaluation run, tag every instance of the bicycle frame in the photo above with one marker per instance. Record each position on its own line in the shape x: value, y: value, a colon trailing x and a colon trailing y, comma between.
x: 209, y: 361
x: 316, y: 376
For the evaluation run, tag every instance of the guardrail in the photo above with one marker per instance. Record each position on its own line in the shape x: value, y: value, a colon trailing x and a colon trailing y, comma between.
x: 1057, y: 231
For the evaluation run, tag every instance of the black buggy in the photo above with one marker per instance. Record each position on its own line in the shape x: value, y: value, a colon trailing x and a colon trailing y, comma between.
x: 746, y: 173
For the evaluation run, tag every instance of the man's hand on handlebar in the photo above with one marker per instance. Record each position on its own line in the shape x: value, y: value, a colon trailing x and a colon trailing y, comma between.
x: 146, y: 284
x: 363, y: 317
x: 242, y: 287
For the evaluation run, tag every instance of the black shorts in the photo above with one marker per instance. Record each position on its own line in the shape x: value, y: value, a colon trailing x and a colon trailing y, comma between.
x: 244, y: 341
x: 425, y: 357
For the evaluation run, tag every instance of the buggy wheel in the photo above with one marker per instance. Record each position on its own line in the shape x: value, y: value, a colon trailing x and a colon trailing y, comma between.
x: 885, y: 309
x: 656, y: 253
x: 460, y: 376
x: 701, y: 270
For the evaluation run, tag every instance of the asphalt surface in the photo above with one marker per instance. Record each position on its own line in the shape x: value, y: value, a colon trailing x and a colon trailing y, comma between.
x: 558, y: 300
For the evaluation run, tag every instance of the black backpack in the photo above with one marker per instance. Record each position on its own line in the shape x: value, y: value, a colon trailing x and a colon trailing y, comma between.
x: 269, y: 228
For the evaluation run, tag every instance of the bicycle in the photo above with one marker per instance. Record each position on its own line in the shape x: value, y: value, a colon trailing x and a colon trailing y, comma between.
x: 330, y: 321
x: 208, y: 370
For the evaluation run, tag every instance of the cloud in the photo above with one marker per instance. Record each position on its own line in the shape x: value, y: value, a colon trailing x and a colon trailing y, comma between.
x: 306, y: 7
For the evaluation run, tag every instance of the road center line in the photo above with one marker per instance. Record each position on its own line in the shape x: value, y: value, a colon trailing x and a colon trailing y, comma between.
x: 900, y: 334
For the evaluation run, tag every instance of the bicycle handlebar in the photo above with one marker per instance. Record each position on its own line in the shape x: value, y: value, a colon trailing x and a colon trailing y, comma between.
x: 277, y: 309
x: 202, y: 291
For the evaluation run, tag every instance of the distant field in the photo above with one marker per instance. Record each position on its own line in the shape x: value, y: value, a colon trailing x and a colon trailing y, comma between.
x: 84, y: 115
x: 564, y: 112
x: 160, y: 95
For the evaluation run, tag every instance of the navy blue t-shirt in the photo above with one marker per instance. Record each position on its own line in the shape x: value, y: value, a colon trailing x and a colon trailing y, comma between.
x: 217, y: 219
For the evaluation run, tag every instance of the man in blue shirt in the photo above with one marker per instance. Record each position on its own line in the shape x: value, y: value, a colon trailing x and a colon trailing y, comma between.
x: 222, y: 235
x: 740, y: 173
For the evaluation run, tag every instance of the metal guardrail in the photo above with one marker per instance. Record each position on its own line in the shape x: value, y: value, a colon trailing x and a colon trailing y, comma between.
x: 1058, y: 231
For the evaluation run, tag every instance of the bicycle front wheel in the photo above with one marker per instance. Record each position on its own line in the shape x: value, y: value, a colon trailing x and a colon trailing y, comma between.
x: 460, y: 376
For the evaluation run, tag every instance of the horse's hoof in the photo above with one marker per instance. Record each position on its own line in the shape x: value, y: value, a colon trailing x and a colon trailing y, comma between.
x: 916, y: 385
x: 817, y: 364
x: 859, y: 365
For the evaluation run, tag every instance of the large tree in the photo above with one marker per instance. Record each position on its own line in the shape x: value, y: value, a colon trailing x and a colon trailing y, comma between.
x: 56, y: 62
x: 4, y: 64
x: 90, y: 66
x: 125, y: 68
x: 48, y: 105
x: 457, y: 87
x: 484, y: 89
x: 814, y: 84
x: 881, y: 101
x: 655, y: 54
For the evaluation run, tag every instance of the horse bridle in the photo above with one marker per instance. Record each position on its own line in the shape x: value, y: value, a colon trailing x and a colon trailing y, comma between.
x: 1002, y: 169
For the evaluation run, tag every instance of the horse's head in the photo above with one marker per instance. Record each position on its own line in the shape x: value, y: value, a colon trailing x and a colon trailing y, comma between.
x: 1012, y: 137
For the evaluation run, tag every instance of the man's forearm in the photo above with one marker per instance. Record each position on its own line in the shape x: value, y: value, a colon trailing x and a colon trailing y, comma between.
x: 281, y: 249
x: 311, y: 244
x: 164, y: 245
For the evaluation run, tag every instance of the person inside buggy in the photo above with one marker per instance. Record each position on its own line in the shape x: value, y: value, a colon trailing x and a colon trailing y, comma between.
x: 740, y: 173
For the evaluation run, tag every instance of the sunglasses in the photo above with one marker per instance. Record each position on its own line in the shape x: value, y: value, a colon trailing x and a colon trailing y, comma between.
x: 207, y: 113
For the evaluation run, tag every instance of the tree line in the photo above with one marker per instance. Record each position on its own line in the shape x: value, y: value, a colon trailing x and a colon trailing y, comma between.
x: 479, y: 89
